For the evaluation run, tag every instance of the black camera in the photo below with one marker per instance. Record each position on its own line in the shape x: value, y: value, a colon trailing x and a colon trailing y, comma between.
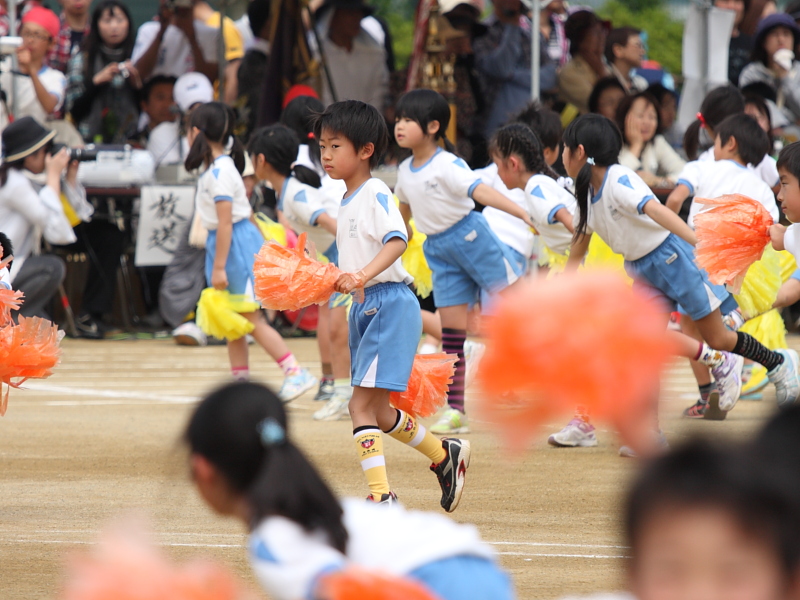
x: 80, y: 154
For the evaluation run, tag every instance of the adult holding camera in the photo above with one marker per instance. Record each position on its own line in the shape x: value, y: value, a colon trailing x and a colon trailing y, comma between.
x: 102, y: 82
x: 39, y: 88
x: 29, y: 215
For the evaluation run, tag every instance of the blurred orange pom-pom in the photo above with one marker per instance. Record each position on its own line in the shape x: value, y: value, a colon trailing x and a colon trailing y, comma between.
x: 357, y: 584
x: 286, y: 279
x: 9, y: 300
x: 28, y: 350
x: 427, y: 389
x: 586, y: 339
x: 731, y: 236
x: 126, y: 566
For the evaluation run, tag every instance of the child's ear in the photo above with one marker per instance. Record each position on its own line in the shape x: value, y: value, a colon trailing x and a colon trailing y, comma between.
x: 550, y: 155
x: 514, y: 162
x: 731, y: 145
x: 366, y: 151
x: 433, y: 127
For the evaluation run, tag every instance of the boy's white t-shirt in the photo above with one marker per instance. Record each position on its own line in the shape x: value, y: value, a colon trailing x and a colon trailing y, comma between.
x: 767, y: 169
x: 288, y: 560
x: 302, y: 205
x: 792, y: 241
x: 616, y: 214
x: 438, y: 192
x: 175, y: 53
x: 511, y: 230
x: 544, y: 198
x: 367, y: 219
x: 26, y: 102
x: 720, y: 177
x: 221, y: 182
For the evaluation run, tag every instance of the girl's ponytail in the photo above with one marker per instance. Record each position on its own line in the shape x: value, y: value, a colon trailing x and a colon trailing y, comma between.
x: 719, y: 104
x: 278, y: 145
x: 308, y: 176
x: 582, y: 185
x: 691, y: 139
x: 241, y: 430
x: 199, y: 154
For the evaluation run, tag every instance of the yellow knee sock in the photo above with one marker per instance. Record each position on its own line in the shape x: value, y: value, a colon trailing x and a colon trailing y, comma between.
x: 369, y: 443
x: 413, y: 433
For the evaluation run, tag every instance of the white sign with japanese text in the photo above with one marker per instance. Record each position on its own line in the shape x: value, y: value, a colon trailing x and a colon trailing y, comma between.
x: 165, y: 213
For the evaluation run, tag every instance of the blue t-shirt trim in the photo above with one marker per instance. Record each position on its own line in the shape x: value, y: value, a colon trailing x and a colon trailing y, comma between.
x: 471, y: 189
x: 644, y: 201
x: 315, y: 215
x: 599, y: 193
x: 394, y: 234
x: 346, y: 200
x: 551, y: 217
x: 687, y: 184
x: 425, y: 164
x: 223, y: 198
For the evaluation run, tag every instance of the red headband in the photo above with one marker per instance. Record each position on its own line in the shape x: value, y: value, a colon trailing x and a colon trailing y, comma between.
x: 702, y: 119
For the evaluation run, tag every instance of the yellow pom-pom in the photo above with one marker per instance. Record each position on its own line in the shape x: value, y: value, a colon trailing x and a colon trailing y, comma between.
x: 218, y: 314
x: 415, y: 263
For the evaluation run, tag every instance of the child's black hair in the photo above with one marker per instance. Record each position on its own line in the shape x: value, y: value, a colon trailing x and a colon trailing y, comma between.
x: 153, y: 82
x: 241, y: 430
x: 626, y: 104
x: 718, y: 104
x: 659, y: 92
x: 299, y: 116
x: 752, y: 142
x: 544, y: 122
x: 760, y: 103
x: 519, y: 139
x: 602, y: 141
x: 278, y: 144
x: 699, y: 475
x: 601, y: 86
x: 788, y: 160
x: 359, y: 122
x: 425, y: 106
x: 216, y: 122
x: 7, y: 246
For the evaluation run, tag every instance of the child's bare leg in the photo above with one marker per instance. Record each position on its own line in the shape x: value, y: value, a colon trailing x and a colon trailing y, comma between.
x: 324, y: 340
x: 266, y: 337
x: 238, y: 356
x: 340, y: 349
x: 788, y: 294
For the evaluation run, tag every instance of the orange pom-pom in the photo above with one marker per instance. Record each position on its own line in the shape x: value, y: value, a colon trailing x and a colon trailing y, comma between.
x: 28, y: 350
x: 286, y: 279
x: 431, y: 376
x: 585, y: 339
x: 357, y: 584
x: 9, y: 300
x: 731, y: 236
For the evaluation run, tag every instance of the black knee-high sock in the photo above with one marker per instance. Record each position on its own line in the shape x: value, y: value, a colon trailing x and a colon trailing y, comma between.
x: 453, y: 343
x: 749, y: 347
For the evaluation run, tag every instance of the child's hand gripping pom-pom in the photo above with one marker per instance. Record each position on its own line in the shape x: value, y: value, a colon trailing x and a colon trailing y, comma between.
x: 730, y: 237
x: 575, y: 340
x: 431, y: 376
x: 218, y: 314
x: 27, y: 351
x: 9, y: 300
x: 126, y: 566
x: 287, y: 279
x: 357, y: 584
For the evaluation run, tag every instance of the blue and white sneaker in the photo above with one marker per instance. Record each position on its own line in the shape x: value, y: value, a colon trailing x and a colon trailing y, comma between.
x: 728, y: 376
x: 785, y: 379
x: 296, y: 385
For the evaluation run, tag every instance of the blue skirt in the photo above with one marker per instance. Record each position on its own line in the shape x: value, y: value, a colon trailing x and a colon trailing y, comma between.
x: 246, y: 241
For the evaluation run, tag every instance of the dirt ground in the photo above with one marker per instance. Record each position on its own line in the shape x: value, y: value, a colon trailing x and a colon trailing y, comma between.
x: 101, y: 438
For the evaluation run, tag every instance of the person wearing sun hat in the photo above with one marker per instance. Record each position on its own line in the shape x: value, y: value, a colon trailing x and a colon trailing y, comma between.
x: 27, y: 216
x: 773, y: 62
x: 39, y: 88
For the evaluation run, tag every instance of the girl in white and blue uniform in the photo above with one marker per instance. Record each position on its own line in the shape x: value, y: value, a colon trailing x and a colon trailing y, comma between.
x: 233, y: 239
x: 309, y: 210
x: 657, y: 246
x: 464, y: 254
x: 245, y: 466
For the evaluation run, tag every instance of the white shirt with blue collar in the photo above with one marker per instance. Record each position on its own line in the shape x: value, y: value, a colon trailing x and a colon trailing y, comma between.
x: 221, y: 182
x: 367, y: 219
x: 302, y: 206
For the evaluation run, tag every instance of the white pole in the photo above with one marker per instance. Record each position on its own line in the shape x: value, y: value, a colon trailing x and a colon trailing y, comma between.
x: 535, y: 49
x: 12, y: 30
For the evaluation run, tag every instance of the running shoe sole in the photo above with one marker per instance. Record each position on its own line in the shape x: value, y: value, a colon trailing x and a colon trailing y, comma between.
x: 713, y: 411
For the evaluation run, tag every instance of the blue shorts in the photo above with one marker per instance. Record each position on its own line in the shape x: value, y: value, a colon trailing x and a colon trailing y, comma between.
x: 795, y: 275
x: 246, y: 241
x: 462, y: 577
x: 466, y: 258
x: 384, y: 334
x: 670, y: 274
x: 519, y: 261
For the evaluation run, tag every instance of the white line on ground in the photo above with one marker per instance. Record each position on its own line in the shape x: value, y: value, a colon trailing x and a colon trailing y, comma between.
x: 75, y: 391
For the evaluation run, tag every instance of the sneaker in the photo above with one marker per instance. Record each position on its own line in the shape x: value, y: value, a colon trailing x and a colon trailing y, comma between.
x: 714, y: 411
x: 336, y: 408
x: 325, y: 391
x: 387, y: 499
x: 189, y: 334
x: 734, y: 320
x: 296, y: 385
x: 473, y: 353
x: 628, y: 452
x: 452, y: 471
x: 451, y: 422
x: 577, y: 433
x: 784, y: 378
x: 428, y: 349
x: 696, y: 410
x: 728, y: 376
x: 89, y: 328
x: 757, y: 382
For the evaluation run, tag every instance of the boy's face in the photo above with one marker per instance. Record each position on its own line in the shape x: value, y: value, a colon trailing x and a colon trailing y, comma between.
x: 340, y: 159
x: 36, y: 40
x: 701, y: 553
x: 158, y: 105
x: 789, y: 195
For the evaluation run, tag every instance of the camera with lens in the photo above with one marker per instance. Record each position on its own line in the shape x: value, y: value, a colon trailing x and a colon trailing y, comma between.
x: 79, y: 154
x: 123, y: 70
x: 9, y: 44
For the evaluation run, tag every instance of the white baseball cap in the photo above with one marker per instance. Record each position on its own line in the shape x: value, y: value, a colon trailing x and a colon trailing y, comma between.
x: 192, y: 88
x: 445, y: 6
